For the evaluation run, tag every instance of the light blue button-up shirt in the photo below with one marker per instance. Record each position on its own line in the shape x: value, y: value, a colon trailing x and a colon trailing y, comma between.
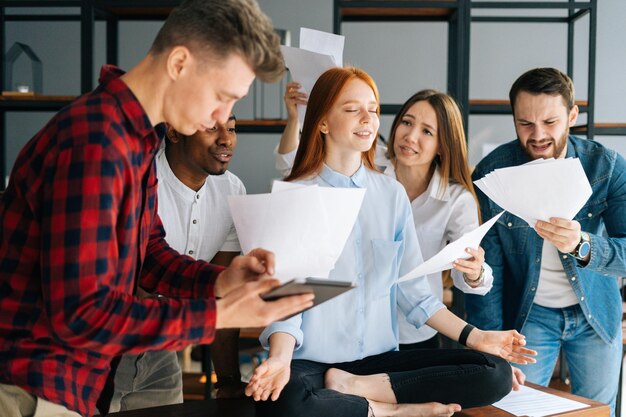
x: 381, y: 247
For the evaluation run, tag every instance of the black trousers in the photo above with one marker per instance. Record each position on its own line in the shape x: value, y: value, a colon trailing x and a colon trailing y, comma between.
x: 460, y: 376
x: 432, y: 343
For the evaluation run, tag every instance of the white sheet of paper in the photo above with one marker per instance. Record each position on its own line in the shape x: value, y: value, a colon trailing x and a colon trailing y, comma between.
x: 278, y: 186
x: 345, y: 203
x: 453, y: 251
x: 539, y: 190
x: 305, y: 67
x: 342, y: 213
x: 323, y: 43
x: 261, y: 219
x: 305, y: 226
x: 534, y: 403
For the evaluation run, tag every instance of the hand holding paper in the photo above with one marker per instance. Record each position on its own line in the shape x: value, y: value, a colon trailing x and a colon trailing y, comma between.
x: 318, y: 52
x: 539, y: 190
x: 306, y: 67
x: 453, y: 251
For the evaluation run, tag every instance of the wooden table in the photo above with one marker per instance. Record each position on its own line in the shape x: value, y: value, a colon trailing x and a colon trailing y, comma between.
x: 245, y: 408
x: 596, y: 409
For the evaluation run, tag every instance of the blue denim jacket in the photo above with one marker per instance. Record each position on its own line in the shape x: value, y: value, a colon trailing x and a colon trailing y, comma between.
x: 513, y: 249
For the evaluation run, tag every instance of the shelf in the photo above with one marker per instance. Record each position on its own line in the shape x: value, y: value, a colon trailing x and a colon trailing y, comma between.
x: 43, y: 103
x: 36, y: 102
x: 369, y: 10
x: 504, y: 107
x: 572, y: 5
x: 618, y: 129
x: 138, y: 13
x: 261, y: 126
x: 41, y: 3
x: 119, y: 9
x: 137, y: 9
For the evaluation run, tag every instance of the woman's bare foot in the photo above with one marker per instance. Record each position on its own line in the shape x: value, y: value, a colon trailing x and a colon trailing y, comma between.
x: 373, y: 387
x: 380, y: 409
x: 382, y: 400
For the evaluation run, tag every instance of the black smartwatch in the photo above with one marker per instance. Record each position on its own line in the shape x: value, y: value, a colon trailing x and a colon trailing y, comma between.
x: 581, y: 251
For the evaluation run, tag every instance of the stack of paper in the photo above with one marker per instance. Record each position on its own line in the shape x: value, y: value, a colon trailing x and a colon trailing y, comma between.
x: 318, y: 52
x: 305, y: 226
x: 534, y: 403
x: 539, y: 190
x: 453, y: 251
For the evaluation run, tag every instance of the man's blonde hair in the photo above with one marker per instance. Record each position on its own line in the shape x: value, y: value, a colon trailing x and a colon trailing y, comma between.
x: 218, y: 28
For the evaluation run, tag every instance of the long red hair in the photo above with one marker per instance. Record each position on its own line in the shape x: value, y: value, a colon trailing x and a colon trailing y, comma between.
x: 312, y: 148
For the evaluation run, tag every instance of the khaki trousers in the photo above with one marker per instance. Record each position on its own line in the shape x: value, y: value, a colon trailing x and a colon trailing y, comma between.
x: 16, y: 402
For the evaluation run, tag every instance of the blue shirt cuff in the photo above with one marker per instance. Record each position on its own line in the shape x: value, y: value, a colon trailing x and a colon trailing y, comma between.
x: 283, y: 327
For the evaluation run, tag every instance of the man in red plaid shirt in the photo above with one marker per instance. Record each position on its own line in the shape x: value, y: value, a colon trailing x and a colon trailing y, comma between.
x: 80, y: 231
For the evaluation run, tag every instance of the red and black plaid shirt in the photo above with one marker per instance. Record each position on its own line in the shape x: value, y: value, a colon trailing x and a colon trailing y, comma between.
x: 79, y: 233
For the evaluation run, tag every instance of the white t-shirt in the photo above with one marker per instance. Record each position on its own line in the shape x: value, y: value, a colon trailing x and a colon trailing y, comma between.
x: 554, y: 289
x: 197, y: 224
x: 441, y: 216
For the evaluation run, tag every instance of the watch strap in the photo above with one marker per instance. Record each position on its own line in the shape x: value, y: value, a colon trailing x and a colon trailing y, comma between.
x: 584, y: 238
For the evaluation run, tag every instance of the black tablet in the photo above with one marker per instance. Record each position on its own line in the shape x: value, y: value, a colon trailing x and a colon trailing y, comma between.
x: 324, y: 289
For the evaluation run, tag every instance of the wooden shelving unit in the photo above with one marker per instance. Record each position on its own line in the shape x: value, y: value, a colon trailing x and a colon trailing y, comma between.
x: 87, y: 12
x: 460, y: 17
x: 618, y: 129
x: 454, y: 12
x: 572, y: 12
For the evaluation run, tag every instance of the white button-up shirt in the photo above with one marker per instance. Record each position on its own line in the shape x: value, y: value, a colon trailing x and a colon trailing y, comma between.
x: 441, y: 216
x: 197, y: 224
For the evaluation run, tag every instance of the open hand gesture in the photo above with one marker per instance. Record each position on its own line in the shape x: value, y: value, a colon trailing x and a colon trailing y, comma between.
x: 508, y: 344
x: 269, y: 379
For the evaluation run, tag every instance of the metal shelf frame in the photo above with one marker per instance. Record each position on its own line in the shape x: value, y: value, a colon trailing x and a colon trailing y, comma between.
x: 458, y: 14
x: 87, y: 13
x: 575, y: 11
x: 455, y: 12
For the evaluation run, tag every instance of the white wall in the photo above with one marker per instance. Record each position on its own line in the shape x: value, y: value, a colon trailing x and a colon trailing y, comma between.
x: 402, y: 57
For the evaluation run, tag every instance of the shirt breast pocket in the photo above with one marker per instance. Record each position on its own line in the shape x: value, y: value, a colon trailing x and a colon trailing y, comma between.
x: 513, y: 233
x: 386, y: 263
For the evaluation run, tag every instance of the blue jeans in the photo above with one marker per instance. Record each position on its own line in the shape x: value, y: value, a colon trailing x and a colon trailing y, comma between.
x: 593, y: 365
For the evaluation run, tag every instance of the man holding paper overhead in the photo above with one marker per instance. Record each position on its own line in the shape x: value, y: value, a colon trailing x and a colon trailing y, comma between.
x: 556, y: 280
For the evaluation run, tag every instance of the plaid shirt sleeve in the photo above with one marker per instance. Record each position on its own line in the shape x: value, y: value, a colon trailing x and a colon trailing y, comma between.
x: 89, y: 260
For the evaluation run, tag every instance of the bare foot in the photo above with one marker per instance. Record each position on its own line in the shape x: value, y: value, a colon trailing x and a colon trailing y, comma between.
x: 373, y: 387
x: 338, y: 380
x: 380, y: 409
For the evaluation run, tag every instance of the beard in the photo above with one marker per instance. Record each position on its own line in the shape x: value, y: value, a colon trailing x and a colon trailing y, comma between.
x: 557, y: 146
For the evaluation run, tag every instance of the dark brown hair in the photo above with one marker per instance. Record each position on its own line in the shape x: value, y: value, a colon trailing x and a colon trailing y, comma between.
x: 549, y: 81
